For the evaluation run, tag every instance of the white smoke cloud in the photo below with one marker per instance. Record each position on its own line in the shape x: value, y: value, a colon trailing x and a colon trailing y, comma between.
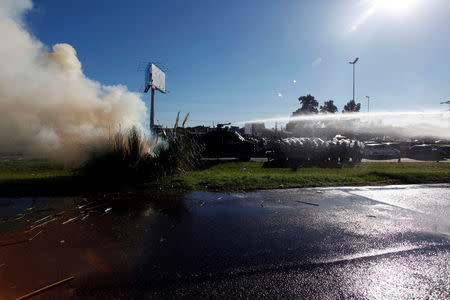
x: 49, y: 108
x: 407, y: 124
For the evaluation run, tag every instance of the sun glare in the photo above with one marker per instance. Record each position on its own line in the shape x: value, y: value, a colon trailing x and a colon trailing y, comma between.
x: 395, y: 6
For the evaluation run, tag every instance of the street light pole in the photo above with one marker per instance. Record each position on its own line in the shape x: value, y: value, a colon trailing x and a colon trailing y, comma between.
x: 353, y: 63
x: 448, y: 120
x: 353, y: 82
x: 368, y: 103
x: 447, y: 102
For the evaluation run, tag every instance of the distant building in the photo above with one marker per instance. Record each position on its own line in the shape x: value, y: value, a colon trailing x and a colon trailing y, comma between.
x: 254, y: 128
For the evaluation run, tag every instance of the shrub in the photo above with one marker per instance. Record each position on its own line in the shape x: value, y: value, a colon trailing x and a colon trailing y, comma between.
x: 130, y: 157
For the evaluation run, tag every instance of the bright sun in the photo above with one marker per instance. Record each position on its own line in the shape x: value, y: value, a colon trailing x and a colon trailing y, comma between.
x: 395, y: 6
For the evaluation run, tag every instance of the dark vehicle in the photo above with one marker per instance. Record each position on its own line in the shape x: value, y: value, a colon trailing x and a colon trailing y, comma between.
x: 223, y: 142
x: 442, y: 142
x: 380, y: 151
x: 446, y: 149
x: 426, y: 152
x: 403, y: 147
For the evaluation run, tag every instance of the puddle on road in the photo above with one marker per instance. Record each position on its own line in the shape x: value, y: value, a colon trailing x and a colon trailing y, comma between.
x: 116, y: 238
x: 43, y: 239
x: 13, y: 206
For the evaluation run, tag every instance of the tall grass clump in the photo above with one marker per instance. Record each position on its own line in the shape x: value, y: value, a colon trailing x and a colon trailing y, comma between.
x: 131, y: 157
x: 177, y: 154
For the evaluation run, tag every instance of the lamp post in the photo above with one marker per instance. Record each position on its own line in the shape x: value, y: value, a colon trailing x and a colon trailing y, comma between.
x: 368, y: 103
x: 447, y: 102
x: 353, y: 63
x: 448, y: 120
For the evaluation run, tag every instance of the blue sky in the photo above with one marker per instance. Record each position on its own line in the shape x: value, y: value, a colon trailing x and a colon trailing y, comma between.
x: 229, y: 60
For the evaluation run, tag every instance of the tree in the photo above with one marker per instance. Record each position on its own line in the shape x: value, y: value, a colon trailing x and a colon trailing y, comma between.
x: 304, y: 127
x: 309, y: 105
x: 351, y: 106
x: 328, y: 107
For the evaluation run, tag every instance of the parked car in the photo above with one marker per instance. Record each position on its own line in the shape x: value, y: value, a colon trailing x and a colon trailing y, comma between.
x: 442, y: 142
x: 380, y: 151
x: 403, y: 147
x: 446, y: 149
x: 426, y: 152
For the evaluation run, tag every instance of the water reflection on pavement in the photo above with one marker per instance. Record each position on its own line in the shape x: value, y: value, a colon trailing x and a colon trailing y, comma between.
x: 361, y: 242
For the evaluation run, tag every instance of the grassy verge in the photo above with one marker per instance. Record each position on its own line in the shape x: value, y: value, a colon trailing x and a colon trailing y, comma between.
x: 26, y: 170
x: 124, y: 164
x: 30, y: 178
x: 20, y: 178
x: 238, y: 176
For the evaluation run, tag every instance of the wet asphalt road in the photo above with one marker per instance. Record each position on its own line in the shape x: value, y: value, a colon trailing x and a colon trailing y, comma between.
x: 404, y: 159
x: 362, y: 242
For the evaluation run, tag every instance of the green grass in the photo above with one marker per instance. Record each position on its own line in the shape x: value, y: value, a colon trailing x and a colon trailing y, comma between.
x: 46, y: 178
x: 25, y: 169
x: 37, y: 178
x: 239, y: 176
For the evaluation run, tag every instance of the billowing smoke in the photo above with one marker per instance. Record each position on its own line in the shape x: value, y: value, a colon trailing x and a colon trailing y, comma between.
x: 403, y: 125
x: 49, y: 108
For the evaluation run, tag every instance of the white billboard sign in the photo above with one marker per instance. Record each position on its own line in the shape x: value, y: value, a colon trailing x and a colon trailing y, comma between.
x: 158, y: 78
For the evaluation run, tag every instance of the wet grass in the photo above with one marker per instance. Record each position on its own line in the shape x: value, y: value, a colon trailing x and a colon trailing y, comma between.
x: 241, y: 176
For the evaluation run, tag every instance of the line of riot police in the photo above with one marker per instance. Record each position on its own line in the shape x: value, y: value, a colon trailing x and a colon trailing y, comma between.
x: 225, y: 143
x: 338, y: 149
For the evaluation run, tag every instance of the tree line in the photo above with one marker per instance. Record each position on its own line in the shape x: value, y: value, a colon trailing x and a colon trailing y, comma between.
x: 323, y: 128
x: 309, y: 105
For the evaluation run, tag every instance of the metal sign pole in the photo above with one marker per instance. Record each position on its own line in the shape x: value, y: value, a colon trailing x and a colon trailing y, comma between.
x: 152, y: 111
x: 154, y: 80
